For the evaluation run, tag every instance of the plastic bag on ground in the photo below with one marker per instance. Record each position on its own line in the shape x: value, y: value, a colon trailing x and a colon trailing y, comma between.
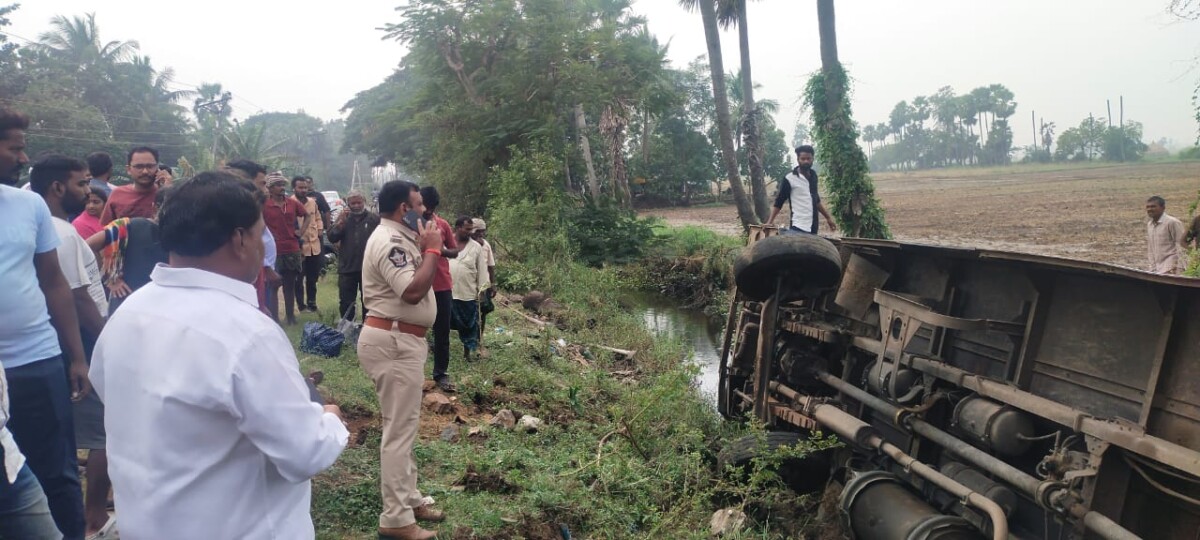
x: 321, y: 340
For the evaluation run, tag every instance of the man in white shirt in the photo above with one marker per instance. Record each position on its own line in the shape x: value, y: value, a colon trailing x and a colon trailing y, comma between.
x: 24, y: 510
x: 1166, y: 239
x: 799, y: 189
x: 61, y: 182
x: 211, y: 433
x: 468, y: 272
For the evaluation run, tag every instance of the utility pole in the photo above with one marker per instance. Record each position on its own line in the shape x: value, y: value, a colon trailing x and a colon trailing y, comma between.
x: 1108, y: 103
x: 1033, y: 123
x: 216, y: 108
x: 1122, y: 129
x: 1042, y: 129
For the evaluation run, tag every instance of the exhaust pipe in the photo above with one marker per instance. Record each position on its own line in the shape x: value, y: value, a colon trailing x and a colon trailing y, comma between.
x: 1043, y: 492
x: 864, y: 435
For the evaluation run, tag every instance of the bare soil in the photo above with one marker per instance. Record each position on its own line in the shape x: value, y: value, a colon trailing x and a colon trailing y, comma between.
x: 1089, y: 212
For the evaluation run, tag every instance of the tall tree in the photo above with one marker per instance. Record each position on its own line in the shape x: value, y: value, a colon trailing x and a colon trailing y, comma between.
x: 733, y: 13
x: 712, y: 37
x: 1189, y: 10
x: 76, y: 40
x: 585, y: 146
x: 13, y: 82
x: 845, y: 166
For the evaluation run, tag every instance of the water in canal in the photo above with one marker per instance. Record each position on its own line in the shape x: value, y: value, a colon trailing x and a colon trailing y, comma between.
x: 696, y: 330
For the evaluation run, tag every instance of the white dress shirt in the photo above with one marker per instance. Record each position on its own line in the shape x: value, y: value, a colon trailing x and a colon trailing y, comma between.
x: 211, y: 433
x: 13, y: 459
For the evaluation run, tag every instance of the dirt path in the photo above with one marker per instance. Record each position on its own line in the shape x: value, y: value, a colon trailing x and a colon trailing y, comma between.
x: 1083, y: 212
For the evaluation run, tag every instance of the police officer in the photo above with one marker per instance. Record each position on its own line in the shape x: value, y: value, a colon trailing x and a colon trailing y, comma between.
x: 398, y: 266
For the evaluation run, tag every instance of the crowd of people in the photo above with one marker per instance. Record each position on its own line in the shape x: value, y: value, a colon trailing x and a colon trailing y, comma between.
x: 145, y: 330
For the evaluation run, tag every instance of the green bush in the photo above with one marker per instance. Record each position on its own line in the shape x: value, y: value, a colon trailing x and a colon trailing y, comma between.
x: 1190, y: 153
x: 528, y: 209
x: 602, y: 232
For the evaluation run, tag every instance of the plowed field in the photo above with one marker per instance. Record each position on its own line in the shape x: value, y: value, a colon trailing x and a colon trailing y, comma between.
x: 1085, y: 212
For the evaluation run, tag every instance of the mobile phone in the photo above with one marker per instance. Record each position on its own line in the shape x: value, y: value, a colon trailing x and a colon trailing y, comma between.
x: 412, y: 218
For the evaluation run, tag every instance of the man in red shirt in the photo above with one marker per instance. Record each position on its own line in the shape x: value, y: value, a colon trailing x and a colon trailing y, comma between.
x: 441, y: 290
x: 283, y: 216
x: 137, y: 199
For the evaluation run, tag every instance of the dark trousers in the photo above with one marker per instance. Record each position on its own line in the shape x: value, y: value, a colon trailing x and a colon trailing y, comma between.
x: 307, y: 282
x: 42, y: 424
x: 465, y: 318
x: 349, y: 289
x: 441, y: 333
x: 24, y: 513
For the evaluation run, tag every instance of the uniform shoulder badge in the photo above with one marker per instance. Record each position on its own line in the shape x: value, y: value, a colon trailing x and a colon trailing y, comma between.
x: 398, y: 257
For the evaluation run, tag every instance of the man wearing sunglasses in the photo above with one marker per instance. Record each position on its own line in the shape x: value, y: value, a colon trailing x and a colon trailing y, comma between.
x: 137, y: 199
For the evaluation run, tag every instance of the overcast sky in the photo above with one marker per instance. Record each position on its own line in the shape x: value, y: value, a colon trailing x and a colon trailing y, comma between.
x: 1062, y: 58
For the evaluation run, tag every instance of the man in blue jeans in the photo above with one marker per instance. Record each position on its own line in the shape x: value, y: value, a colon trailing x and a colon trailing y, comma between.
x: 40, y: 346
x: 24, y: 512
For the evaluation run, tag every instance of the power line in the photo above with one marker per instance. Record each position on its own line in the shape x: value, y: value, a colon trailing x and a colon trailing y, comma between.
x: 105, y: 141
x: 67, y: 131
x: 78, y: 110
x: 25, y: 39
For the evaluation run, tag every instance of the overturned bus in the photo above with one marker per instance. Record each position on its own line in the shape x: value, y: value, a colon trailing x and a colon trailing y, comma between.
x: 980, y: 394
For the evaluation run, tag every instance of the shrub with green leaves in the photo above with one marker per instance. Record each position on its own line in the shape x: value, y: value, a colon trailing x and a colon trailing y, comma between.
x: 528, y: 209
x: 603, y: 232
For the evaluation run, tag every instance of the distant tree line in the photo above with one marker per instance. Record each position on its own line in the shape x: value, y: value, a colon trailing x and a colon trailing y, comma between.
x: 1092, y: 139
x: 944, y: 129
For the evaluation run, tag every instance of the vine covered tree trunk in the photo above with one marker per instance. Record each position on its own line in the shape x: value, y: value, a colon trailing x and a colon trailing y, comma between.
x: 751, y: 138
x: 708, y: 12
x: 852, y: 194
x: 586, y: 148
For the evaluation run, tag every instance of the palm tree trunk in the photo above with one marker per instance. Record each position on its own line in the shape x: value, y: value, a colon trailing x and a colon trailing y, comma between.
x: 751, y: 134
x: 586, y: 148
x: 646, y: 129
x: 612, y: 126
x: 708, y: 12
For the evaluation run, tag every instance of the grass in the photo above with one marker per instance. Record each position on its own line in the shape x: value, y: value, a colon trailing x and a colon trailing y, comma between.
x: 691, y: 240
x: 627, y: 450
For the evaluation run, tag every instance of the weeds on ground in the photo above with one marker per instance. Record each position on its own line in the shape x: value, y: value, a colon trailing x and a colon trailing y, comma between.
x: 628, y: 449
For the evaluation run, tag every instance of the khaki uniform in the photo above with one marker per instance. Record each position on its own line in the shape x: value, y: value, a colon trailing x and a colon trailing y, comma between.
x: 395, y: 361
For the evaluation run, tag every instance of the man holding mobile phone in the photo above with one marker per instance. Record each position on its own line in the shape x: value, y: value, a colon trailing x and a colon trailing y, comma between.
x: 443, y: 289
x: 401, y: 259
x: 137, y: 199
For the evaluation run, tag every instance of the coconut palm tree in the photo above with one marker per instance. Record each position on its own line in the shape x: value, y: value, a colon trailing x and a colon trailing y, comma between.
x: 766, y: 108
x: 733, y: 13
x: 249, y: 142
x: 712, y: 37
x: 76, y: 41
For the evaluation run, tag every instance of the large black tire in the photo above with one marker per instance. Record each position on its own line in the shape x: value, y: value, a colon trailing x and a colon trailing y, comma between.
x: 803, y: 475
x: 806, y: 262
